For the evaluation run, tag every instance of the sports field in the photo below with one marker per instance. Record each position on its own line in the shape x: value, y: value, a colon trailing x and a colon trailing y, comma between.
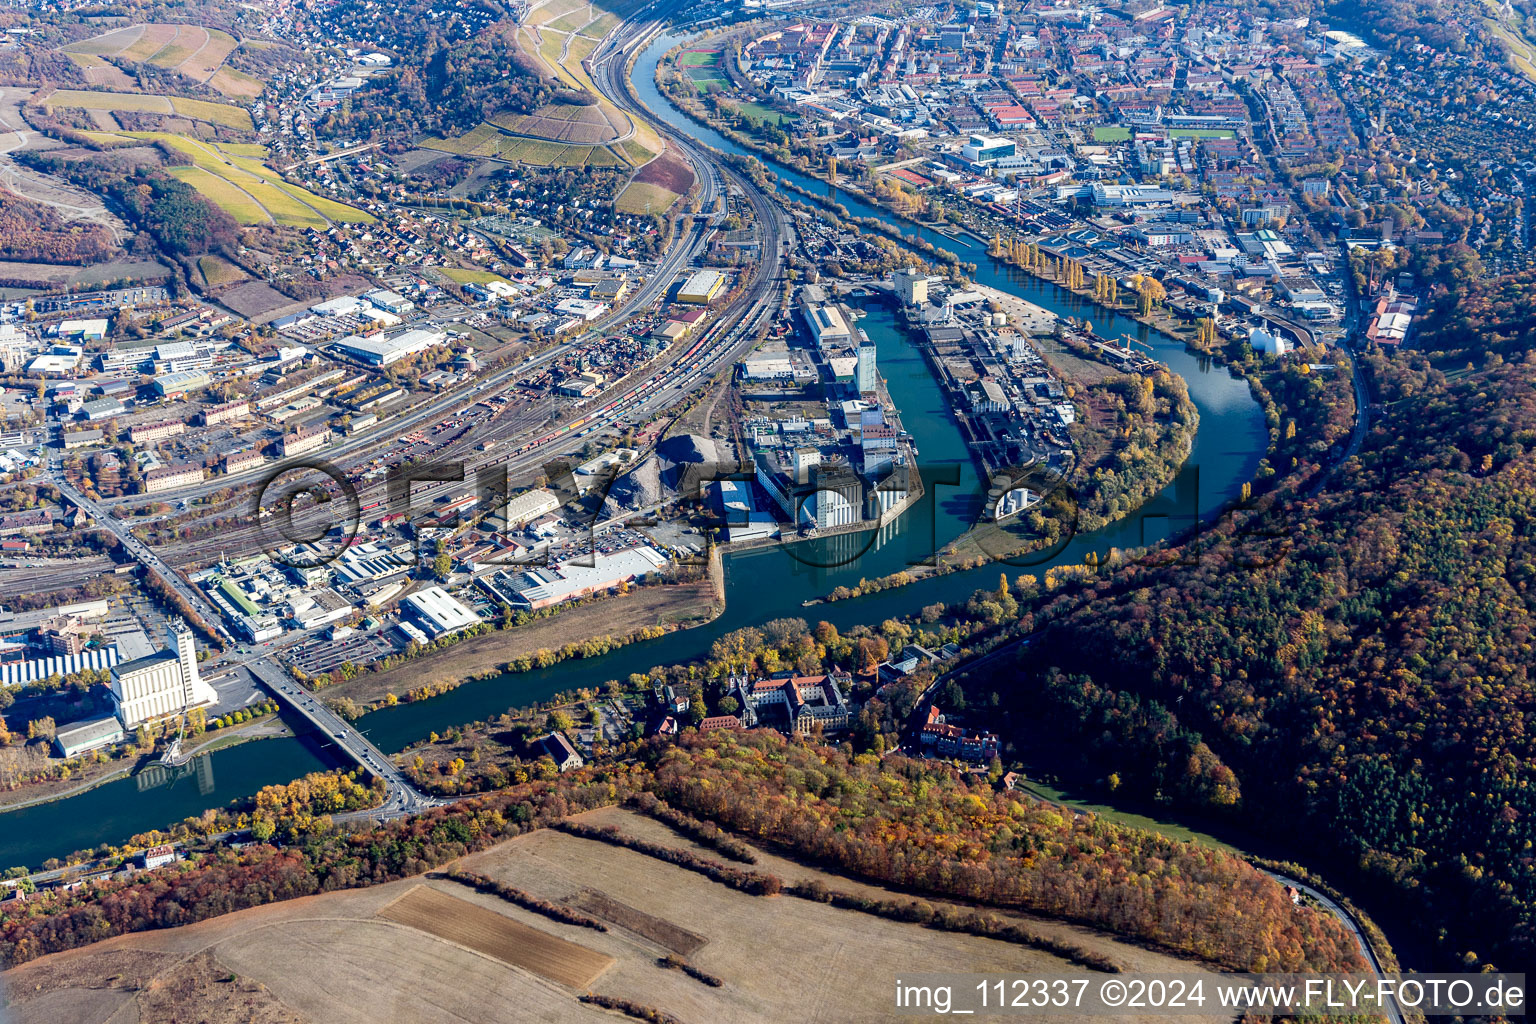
x: 1202, y: 133
x: 466, y: 275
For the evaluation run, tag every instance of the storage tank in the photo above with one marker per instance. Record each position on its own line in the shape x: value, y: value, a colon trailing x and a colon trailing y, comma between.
x: 999, y: 319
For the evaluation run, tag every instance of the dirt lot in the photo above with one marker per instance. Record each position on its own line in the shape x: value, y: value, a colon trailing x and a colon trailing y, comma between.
x: 669, y: 171
x: 658, y: 930
x: 256, y: 300
x: 333, y: 958
x: 614, y: 616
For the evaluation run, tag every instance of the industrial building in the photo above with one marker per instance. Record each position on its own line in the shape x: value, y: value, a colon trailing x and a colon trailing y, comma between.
x: 864, y: 373
x: 178, y: 385
x: 382, y: 351
x: 911, y: 286
x: 701, y: 287
x: 90, y: 734
x: 439, y: 613
x: 164, y: 683
x: 528, y: 506
x: 566, y: 581
x: 828, y: 327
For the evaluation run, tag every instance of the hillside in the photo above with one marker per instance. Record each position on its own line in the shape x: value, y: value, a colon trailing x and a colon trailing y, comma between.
x: 914, y: 826
x: 1350, y: 671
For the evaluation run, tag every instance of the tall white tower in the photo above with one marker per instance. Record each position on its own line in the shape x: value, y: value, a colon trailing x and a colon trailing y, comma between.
x: 163, y: 684
x: 864, y: 376
x: 185, y: 649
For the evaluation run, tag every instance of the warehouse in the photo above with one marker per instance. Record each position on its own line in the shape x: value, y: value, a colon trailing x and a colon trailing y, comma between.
x: 528, y: 506
x: 382, y: 351
x: 439, y: 613
x: 701, y: 287
x: 566, y: 581
x: 828, y: 327
x: 178, y: 385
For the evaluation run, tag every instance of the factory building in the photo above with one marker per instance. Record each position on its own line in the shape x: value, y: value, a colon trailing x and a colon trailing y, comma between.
x: 164, y: 683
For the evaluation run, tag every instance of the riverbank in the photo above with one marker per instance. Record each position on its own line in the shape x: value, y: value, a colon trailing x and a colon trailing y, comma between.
x: 35, y: 794
x: 609, y: 622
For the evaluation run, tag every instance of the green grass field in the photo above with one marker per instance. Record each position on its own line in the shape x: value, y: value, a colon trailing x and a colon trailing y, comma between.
x: 465, y: 275
x: 758, y: 112
x: 1111, y: 133
x: 1202, y: 133
x: 699, y: 59
x: 554, y: 10
x: 570, y: 22
x: 601, y: 27
x: 641, y: 197
x: 1172, y: 830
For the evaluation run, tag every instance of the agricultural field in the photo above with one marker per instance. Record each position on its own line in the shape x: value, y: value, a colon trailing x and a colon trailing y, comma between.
x: 196, y: 52
x: 487, y: 140
x: 656, y: 186
x: 549, y: 34
x: 426, y: 949
x: 231, y: 198
x: 496, y: 935
x: 562, y: 122
x: 245, y: 188
x: 198, y: 110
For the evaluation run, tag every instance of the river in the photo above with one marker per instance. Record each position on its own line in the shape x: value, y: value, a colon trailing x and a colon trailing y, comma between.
x: 760, y: 585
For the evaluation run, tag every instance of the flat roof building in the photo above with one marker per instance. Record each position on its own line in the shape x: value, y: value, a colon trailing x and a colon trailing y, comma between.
x: 827, y: 326
x: 90, y: 734
x: 555, y: 584
x: 382, y: 351
x: 528, y: 506
x: 701, y: 287
x: 175, y: 385
x: 439, y: 612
